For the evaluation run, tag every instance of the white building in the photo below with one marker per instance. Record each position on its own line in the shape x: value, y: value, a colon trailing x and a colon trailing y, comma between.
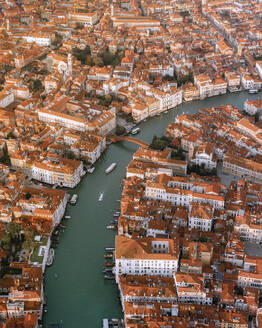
x: 6, y: 99
x: 200, y: 217
x: 204, y: 155
x: 247, y: 81
x: 145, y: 256
x: 190, y: 289
x: 65, y: 172
x: 39, y: 39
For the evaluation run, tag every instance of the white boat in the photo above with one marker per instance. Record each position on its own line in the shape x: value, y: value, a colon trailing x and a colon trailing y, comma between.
x: 101, y: 197
x: 90, y: 169
x: 73, y: 199
x: 135, y: 131
x: 67, y: 217
x: 253, y: 91
x: 110, y: 168
x: 50, y: 257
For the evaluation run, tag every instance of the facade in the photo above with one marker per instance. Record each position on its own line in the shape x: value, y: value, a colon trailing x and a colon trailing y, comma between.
x: 200, y: 217
x: 150, y: 256
x: 65, y: 172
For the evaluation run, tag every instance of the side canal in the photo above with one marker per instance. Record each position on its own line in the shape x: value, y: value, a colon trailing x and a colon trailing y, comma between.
x: 77, y: 294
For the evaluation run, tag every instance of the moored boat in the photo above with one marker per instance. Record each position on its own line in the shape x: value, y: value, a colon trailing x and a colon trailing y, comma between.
x: 73, y: 199
x: 135, y: 131
x: 252, y: 91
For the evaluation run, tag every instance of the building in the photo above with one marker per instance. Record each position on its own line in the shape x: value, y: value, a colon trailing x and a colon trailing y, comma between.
x: 145, y: 256
x: 64, y: 172
x: 200, y: 217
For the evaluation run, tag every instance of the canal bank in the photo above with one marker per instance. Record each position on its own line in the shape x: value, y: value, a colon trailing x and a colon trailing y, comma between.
x: 76, y: 291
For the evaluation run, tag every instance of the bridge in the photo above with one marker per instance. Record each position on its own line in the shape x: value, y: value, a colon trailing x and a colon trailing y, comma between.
x: 114, y: 138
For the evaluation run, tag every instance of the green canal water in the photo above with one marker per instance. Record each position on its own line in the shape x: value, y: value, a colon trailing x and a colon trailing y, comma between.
x: 77, y: 294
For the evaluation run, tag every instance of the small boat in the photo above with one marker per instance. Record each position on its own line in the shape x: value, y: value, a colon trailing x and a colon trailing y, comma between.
x: 116, y: 214
x: 109, y: 264
x: 108, y: 256
x: 109, y: 249
x: 56, y: 275
x: 73, y: 199
x: 135, y: 131
x: 251, y: 91
x: 111, y: 227
x: 101, y: 196
x: 50, y: 257
x: 110, y: 168
x: 67, y: 217
x: 106, y: 276
x: 90, y: 169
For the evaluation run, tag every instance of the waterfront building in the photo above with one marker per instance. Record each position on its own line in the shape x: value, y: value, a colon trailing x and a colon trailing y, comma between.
x: 148, y: 256
x: 64, y: 172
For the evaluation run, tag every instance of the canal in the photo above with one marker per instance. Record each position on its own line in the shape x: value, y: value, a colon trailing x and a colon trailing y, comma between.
x: 77, y: 294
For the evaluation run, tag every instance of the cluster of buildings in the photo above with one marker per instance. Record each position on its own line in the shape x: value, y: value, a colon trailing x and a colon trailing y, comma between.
x: 67, y: 69
x: 166, y: 53
x: 182, y: 257
x: 29, y: 213
x: 221, y: 134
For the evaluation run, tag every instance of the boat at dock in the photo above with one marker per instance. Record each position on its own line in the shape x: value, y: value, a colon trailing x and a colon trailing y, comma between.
x: 116, y: 214
x: 252, y: 91
x: 73, y: 199
x: 50, y: 258
x: 135, y: 131
x: 101, y: 196
x: 108, y: 256
x: 91, y: 169
x: 111, y: 227
x: 110, y: 168
x: 109, y: 277
x: 109, y: 249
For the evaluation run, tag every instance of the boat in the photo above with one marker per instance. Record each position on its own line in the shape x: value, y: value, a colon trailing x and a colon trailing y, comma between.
x: 109, y: 249
x: 101, y: 196
x: 110, y: 168
x: 109, y: 264
x: 116, y: 214
x: 67, y: 217
x: 73, y: 199
x: 50, y: 257
x: 111, y: 227
x: 90, y: 169
x: 252, y: 91
x: 135, y: 131
x: 106, y: 276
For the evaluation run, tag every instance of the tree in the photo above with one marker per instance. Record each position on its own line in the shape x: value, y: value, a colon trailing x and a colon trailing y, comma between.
x: 27, y: 196
x: 81, y: 54
x: 6, y: 241
x: 120, y: 130
x: 29, y: 234
x: 11, y: 135
x: 14, y: 229
x: 29, y: 245
x: 37, y: 85
x: 79, y: 26
x: 98, y: 61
